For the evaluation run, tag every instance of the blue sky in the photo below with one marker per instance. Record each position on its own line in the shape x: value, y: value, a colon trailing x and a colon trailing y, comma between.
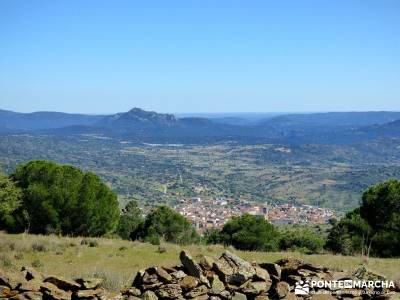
x: 199, y: 56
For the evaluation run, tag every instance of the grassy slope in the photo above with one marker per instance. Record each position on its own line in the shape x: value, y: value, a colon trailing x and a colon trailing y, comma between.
x: 117, y: 260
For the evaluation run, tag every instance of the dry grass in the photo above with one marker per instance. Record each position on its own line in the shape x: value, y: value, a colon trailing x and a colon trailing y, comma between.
x: 117, y: 261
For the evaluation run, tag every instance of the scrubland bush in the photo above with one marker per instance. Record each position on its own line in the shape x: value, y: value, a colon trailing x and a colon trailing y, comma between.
x: 37, y: 263
x: 39, y: 247
x: 5, y: 261
x: 90, y: 242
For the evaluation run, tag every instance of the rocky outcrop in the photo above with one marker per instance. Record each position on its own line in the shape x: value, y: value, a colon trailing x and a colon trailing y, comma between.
x: 231, y: 277
x: 227, y: 278
x: 32, y: 285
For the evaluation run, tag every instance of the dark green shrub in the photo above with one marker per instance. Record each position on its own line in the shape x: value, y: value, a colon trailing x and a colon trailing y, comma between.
x: 300, y: 238
x: 212, y: 236
x: 250, y: 233
x: 10, y: 198
x: 373, y: 228
x: 153, y: 239
x: 130, y: 220
x: 90, y: 242
x: 165, y: 223
x: 62, y: 199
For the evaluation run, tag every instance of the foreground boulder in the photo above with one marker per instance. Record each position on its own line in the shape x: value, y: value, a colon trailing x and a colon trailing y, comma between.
x: 62, y: 283
x: 233, y: 270
x: 227, y: 278
x: 192, y: 268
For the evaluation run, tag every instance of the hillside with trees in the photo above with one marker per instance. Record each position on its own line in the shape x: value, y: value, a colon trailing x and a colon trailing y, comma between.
x: 44, y: 197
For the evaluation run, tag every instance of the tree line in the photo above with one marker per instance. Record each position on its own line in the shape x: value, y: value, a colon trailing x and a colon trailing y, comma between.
x: 44, y: 197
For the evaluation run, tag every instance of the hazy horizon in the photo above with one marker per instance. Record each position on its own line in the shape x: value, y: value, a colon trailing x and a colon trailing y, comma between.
x: 205, y: 114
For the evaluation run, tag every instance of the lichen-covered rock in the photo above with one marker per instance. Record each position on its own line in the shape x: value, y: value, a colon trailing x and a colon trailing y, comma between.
x: 281, y: 289
x: 163, y: 274
x: 255, y: 287
x: 4, y: 291
x: 88, y: 294
x: 261, y: 274
x: 206, y: 263
x: 290, y: 262
x: 196, y: 292
x: 51, y: 291
x: 84, y: 294
x: 63, y: 283
x: 152, y: 286
x: 305, y: 273
x: 273, y: 269
x: 289, y: 266
x: 132, y: 292
x: 233, y: 270
x: 188, y: 283
x: 149, y: 295
x: 169, y: 291
x: 192, y: 268
x: 225, y: 295
x: 217, y: 286
x: 28, y: 296
x: 178, y: 274
x: 150, y: 276
x: 89, y: 283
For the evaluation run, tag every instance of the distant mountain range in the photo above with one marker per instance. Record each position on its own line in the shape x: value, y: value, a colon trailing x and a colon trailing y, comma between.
x: 137, y: 124
x: 43, y: 120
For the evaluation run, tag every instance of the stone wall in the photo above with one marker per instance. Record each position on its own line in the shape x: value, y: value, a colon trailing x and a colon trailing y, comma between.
x: 228, y: 277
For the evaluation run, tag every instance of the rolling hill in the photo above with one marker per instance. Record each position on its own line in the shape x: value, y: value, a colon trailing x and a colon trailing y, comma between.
x: 14, y: 121
x: 137, y: 124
